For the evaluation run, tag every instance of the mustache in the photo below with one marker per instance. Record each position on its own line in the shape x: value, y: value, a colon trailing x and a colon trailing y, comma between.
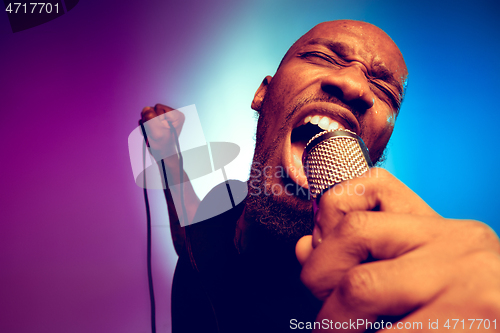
x: 327, y: 99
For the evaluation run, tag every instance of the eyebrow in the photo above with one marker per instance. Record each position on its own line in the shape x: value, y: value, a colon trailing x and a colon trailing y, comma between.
x: 342, y: 49
x: 379, y: 70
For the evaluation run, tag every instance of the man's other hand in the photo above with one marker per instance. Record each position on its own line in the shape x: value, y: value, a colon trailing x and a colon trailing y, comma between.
x: 159, y: 122
x: 379, y: 250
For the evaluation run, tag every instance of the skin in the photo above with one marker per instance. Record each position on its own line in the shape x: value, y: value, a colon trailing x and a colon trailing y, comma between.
x: 387, y: 253
x: 382, y: 251
x: 162, y: 124
x: 351, y: 71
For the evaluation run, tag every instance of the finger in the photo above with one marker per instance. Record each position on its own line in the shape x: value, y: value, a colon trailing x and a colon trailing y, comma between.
x: 151, y: 122
x: 422, y: 279
x: 368, y: 236
x: 347, y: 319
x: 176, y: 119
x: 156, y: 129
x: 148, y: 113
x: 154, y: 118
x: 303, y: 249
x: 470, y: 302
x: 376, y: 190
x: 396, y: 289
x: 363, y: 236
x: 389, y: 287
x: 167, y: 113
x: 451, y: 311
x: 161, y: 109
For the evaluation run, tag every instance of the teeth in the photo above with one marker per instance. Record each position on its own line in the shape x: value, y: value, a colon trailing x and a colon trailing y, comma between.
x: 315, y: 120
x: 324, y: 123
x: 333, y: 126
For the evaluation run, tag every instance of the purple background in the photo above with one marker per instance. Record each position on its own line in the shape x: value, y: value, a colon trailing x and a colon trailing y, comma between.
x: 72, y: 232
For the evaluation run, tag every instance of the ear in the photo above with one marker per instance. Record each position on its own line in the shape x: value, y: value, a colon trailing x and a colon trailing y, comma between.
x: 261, y: 93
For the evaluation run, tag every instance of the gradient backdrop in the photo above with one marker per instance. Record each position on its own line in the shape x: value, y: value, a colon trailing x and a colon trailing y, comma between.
x: 73, y: 226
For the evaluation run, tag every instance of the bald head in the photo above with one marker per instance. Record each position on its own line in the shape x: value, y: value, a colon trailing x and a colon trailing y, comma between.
x: 339, y: 75
x: 352, y: 66
x: 362, y: 38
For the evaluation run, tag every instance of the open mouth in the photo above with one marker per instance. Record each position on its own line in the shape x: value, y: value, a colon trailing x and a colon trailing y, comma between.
x: 300, y: 136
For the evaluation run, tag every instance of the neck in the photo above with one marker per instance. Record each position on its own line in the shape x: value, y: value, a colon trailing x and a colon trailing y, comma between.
x: 253, y: 239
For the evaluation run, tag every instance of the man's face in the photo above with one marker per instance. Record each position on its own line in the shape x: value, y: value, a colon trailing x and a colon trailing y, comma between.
x: 340, y: 75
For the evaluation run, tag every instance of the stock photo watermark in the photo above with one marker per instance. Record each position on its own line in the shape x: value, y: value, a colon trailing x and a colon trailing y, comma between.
x: 365, y: 324
x: 155, y: 166
x: 261, y: 179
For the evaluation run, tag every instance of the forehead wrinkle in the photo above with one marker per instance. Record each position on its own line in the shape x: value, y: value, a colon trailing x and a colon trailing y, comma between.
x: 340, y: 48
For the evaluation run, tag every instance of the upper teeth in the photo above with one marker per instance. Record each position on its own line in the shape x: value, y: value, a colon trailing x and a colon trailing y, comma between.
x: 323, y: 122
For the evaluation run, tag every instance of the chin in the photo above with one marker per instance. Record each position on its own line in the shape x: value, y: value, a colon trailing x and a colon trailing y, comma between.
x: 276, y: 204
x: 285, y: 213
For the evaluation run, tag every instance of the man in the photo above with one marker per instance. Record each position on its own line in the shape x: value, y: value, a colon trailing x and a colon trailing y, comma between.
x: 381, y: 255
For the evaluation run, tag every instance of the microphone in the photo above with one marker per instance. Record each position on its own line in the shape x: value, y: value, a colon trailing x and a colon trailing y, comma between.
x: 331, y: 157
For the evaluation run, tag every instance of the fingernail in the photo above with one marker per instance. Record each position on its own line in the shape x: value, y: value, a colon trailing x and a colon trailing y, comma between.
x: 316, y: 240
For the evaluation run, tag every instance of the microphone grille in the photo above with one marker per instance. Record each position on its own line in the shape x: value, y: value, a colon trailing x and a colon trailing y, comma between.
x: 331, y: 157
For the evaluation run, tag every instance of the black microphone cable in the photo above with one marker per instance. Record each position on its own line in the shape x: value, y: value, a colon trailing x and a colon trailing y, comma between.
x: 181, y: 171
x: 148, y: 213
x: 148, y: 219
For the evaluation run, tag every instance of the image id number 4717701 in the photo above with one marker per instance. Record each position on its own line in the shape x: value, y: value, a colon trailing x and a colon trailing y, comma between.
x: 32, y: 8
x: 465, y: 324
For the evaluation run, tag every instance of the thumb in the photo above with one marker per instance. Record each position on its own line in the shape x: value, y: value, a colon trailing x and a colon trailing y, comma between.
x: 176, y: 119
x: 303, y: 248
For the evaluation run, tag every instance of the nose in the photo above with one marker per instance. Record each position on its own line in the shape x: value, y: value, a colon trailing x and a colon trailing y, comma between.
x: 350, y: 85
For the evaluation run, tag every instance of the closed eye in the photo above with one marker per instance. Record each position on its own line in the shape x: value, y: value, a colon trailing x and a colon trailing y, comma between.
x: 384, y: 92
x: 313, y: 56
x: 379, y: 86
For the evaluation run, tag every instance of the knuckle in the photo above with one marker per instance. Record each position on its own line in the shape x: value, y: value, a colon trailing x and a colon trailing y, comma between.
x: 307, y: 278
x: 481, y: 233
x: 486, y: 261
x: 146, y: 113
x: 331, y: 199
x: 479, y: 280
x: 175, y: 114
x: 163, y: 108
x: 487, y: 303
x: 312, y: 280
x: 379, y: 174
x: 357, y: 287
x: 353, y: 223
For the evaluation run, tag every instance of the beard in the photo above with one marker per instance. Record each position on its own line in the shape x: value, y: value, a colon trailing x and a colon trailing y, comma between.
x: 280, y: 210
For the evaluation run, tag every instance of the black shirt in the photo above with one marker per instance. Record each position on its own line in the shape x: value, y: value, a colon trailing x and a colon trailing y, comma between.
x: 217, y: 289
